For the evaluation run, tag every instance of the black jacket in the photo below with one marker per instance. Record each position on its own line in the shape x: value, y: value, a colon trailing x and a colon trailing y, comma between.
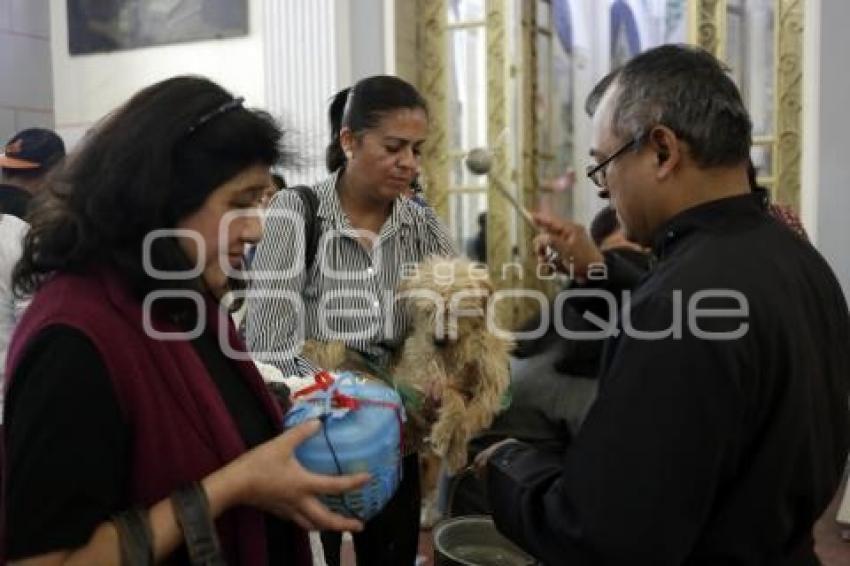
x: 700, y: 451
x: 14, y: 200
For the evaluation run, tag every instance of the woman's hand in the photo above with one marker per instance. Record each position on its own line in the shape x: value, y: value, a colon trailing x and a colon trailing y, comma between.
x: 270, y: 478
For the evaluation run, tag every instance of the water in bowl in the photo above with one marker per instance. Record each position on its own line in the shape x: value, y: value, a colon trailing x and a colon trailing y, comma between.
x: 483, y: 556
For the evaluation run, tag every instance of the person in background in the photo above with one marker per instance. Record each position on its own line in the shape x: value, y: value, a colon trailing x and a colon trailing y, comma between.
x: 721, y: 440
x: 132, y: 384
x: 783, y: 213
x: 476, y: 246
x: 278, y: 183
x: 368, y: 229
x: 25, y: 163
x: 581, y: 357
x: 12, y: 231
x: 415, y: 192
x: 607, y: 234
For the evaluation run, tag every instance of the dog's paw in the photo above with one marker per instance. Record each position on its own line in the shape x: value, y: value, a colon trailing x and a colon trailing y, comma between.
x: 451, y: 445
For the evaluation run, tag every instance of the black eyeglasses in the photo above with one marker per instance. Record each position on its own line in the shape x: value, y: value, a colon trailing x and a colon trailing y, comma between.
x: 596, y: 173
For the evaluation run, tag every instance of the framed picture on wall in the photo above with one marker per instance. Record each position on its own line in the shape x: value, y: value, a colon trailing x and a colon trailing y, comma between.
x: 96, y: 26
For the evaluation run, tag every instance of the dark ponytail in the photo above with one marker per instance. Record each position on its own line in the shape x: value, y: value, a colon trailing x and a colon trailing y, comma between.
x: 362, y: 106
x: 334, y: 155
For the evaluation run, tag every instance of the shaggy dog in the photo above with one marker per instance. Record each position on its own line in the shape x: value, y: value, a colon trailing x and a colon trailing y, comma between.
x: 449, y: 354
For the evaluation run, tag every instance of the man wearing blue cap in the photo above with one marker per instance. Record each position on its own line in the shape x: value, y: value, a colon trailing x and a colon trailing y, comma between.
x: 25, y: 162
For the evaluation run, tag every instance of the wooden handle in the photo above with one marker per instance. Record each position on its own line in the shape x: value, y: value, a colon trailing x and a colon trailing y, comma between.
x: 526, y: 215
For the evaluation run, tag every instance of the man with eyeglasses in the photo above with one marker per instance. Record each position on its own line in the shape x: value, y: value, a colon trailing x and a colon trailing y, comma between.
x: 721, y: 427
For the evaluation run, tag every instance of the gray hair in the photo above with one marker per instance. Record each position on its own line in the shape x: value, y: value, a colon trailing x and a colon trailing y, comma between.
x: 686, y: 89
x: 591, y: 103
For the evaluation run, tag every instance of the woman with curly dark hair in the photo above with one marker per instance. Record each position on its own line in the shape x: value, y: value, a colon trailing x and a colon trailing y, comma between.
x: 136, y: 431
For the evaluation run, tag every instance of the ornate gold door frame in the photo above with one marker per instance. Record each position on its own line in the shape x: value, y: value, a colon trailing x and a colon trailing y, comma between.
x: 708, y: 30
x: 433, y: 83
x: 499, y: 215
x: 438, y: 156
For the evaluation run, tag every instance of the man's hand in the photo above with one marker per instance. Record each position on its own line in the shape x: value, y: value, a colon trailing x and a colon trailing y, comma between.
x: 572, y: 242
x: 483, y: 457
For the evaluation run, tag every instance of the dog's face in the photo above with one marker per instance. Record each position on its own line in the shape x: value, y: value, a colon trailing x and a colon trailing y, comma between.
x: 452, y: 352
x: 448, y: 298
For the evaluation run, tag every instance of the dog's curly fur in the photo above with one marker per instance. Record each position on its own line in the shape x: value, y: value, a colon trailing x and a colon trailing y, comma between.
x: 449, y: 351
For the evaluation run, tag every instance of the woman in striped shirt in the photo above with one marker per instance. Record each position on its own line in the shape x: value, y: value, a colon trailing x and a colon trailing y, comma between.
x: 370, y: 231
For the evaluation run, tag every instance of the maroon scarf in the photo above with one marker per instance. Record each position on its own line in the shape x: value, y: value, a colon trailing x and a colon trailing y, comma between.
x: 181, y: 429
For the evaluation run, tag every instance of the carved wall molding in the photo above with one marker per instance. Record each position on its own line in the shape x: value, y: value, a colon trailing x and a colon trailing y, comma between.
x: 433, y: 84
x: 499, y: 213
x: 789, y: 98
x: 708, y: 26
x: 709, y: 31
x: 531, y: 154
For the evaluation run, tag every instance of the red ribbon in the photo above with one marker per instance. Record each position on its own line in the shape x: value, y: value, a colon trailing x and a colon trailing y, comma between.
x: 323, y: 382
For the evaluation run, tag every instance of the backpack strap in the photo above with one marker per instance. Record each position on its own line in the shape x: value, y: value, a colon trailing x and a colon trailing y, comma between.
x: 312, y: 231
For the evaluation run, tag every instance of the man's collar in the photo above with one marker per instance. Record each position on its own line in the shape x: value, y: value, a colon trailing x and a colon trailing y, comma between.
x: 705, y: 216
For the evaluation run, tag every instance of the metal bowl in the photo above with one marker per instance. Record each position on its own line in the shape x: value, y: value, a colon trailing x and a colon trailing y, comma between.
x: 474, y: 541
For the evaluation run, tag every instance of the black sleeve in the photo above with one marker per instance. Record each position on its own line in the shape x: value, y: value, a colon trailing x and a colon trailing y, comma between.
x: 66, y: 446
x: 624, y: 270
x: 641, y: 476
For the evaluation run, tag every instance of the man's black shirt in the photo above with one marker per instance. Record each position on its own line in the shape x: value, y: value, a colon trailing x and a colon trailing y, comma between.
x: 700, y: 450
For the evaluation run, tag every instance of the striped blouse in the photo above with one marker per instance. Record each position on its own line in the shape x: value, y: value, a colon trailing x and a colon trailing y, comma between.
x: 347, y: 294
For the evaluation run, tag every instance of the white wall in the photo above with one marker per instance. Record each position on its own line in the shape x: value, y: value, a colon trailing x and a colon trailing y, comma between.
x: 591, y: 33
x: 826, y: 127
x: 361, y: 29
x: 89, y: 86
x: 26, y: 96
x: 302, y: 76
x: 314, y: 49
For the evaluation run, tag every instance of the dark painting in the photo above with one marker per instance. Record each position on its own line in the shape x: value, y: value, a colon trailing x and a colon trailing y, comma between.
x: 96, y: 26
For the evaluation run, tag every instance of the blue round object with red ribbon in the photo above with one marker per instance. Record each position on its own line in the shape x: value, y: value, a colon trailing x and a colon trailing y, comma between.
x: 361, y: 432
